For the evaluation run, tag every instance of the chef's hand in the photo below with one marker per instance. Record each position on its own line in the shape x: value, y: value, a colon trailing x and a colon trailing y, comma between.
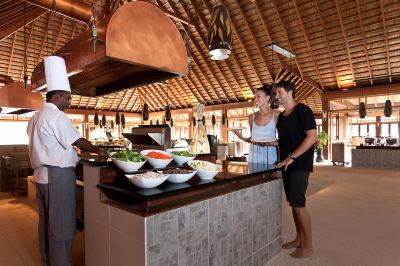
x: 237, y: 132
x: 285, y: 163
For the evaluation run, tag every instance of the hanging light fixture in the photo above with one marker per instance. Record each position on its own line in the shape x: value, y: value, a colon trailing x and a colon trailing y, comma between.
x: 117, y: 119
x: 213, y: 120
x: 112, y: 124
x: 103, y: 120
x: 362, y: 112
x: 194, y: 121
x: 145, y: 112
x: 171, y: 122
x: 96, y: 119
x: 223, y: 119
x: 122, y: 120
x: 167, y: 109
x: 220, y: 33
x: 157, y: 122
x: 388, y: 105
x: 25, y: 52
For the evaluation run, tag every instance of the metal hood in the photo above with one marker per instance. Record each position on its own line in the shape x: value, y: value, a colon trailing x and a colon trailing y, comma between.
x: 138, y: 44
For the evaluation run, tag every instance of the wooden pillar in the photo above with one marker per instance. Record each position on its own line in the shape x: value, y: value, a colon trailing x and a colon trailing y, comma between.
x: 191, y: 128
x: 224, y: 128
x: 86, y: 126
x: 378, y: 126
x: 325, y: 126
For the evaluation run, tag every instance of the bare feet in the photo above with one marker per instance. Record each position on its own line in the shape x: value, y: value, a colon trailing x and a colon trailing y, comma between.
x: 292, y: 244
x: 300, y: 253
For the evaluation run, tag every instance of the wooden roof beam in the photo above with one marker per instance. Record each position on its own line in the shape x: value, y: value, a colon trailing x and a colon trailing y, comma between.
x: 193, y: 96
x: 186, y: 98
x: 345, y: 39
x: 364, y: 41
x: 27, y: 46
x: 253, y: 38
x: 363, y: 92
x: 11, y: 54
x: 303, y: 29
x: 327, y: 43
x: 306, y: 79
x: 44, y: 39
x: 386, y: 39
x: 59, y: 33
x: 160, y: 103
x: 187, y: 80
x: 286, y: 35
x: 199, y: 81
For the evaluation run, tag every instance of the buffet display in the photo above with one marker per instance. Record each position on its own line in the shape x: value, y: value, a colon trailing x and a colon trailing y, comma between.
x: 157, y: 171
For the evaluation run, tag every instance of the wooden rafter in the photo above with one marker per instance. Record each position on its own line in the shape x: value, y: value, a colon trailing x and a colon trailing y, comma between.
x: 59, y: 33
x: 44, y: 39
x: 303, y: 29
x: 27, y: 45
x: 137, y: 99
x: 207, y: 4
x: 166, y: 100
x: 195, y: 65
x: 286, y: 35
x: 12, y: 54
x: 253, y: 38
x: 186, y: 98
x: 193, y: 97
x: 327, y: 43
x: 80, y: 101
x: 345, y: 38
x: 88, y: 102
x: 306, y: 79
x: 364, y: 40
x: 199, y: 96
x: 159, y: 103
x: 386, y: 39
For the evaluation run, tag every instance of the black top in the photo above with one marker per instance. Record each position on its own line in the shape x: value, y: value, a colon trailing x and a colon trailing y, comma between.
x: 292, y: 131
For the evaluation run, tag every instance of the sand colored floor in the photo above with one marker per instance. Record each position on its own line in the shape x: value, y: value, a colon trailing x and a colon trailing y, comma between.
x: 355, y: 215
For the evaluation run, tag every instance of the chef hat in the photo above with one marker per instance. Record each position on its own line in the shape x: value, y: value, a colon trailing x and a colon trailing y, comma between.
x: 56, y: 74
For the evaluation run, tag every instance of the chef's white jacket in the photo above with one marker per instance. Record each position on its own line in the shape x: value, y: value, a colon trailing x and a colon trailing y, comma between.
x: 51, y: 135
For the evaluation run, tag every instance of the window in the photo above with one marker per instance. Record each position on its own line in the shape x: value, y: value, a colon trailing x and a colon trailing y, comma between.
x: 394, y: 130
x: 13, y: 133
x: 363, y: 130
x: 384, y: 130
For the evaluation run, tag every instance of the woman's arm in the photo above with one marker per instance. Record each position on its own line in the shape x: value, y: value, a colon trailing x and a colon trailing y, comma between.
x: 239, y: 132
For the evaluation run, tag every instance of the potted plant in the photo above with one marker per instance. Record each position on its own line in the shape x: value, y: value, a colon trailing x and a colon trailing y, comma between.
x: 322, y: 141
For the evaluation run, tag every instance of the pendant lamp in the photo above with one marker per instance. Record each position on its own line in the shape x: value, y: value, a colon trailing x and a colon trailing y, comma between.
x: 203, y: 120
x: 220, y: 33
x: 194, y: 121
x: 171, y: 122
x: 362, y: 112
x: 388, y: 111
x: 96, y: 119
x: 145, y: 112
x: 167, y: 113
x: 117, y: 119
x: 157, y: 122
x: 122, y: 120
x: 103, y: 120
x: 223, y: 120
x: 112, y: 124
x: 213, y: 121
x: 151, y: 122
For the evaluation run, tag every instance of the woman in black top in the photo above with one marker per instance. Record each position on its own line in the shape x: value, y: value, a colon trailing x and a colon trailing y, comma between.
x: 297, y: 135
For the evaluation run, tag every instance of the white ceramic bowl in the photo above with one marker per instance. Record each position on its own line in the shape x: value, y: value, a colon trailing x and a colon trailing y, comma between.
x: 205, y: 174
x: 180, y: 160
x: 141, y: 182
x: 128, y: 166
x: 170, y: 150
x: 180, y: 178
x: 157, y: 163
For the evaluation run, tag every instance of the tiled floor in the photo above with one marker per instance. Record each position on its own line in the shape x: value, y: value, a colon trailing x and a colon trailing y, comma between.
x: 355, y: 215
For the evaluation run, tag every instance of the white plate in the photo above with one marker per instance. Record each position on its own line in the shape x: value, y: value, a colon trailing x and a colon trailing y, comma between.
x: 237, y: 128
x: 263, y: 140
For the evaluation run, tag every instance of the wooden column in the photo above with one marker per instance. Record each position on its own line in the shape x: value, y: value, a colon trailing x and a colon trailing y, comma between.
x: 378, y: 126
x: 191, y: 125
x: 224, y: 128
x: 86, y: 126
x: 325, y: 126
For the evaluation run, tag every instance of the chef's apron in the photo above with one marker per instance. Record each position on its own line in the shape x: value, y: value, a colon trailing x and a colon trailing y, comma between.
x: 62, y: 203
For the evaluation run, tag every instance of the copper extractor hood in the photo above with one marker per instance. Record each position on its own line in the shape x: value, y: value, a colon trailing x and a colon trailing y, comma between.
x: 136, y: 45
x: 14, y: 95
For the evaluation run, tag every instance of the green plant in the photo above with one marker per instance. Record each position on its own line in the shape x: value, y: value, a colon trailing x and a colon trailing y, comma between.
x: 322, y: 138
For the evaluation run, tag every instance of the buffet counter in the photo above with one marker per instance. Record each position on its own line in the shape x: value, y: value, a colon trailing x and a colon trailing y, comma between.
x: 385, y: 157
x: 232, y: 219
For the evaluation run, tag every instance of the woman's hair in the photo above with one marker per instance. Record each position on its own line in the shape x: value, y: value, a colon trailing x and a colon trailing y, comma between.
x: 267, y: 89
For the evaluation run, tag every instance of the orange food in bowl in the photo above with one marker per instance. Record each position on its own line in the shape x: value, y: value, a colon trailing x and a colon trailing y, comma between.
x: 158, y: 155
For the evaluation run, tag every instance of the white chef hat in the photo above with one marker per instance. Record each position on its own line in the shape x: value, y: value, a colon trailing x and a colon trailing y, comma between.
x: 56, y: 74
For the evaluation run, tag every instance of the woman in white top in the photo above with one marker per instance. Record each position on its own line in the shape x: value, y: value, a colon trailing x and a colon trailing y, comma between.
x: 263, y: 153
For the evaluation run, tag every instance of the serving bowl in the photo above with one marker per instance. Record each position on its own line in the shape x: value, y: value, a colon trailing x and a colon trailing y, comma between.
x: 180, y: 160
x: 157, y: 163
x: 180, y: 178
x: 170, y: 150
x: 128, y: 166
x: 205, y: 170
x: 142, y: 180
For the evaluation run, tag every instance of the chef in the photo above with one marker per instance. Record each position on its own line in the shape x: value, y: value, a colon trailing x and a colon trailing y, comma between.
x: 52, y: 138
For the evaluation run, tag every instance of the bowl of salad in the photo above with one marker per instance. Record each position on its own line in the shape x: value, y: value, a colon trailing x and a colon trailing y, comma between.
x: 182, y: 157
x: 205, y: 170
x: 128, y: 160
x: 148, y: 179
x: 157, y: 158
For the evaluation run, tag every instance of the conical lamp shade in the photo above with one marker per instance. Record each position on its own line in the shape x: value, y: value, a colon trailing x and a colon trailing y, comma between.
x: 122, y: 120
x: 112, y: 124
x: 145, y: 112
x: 388, y: 111
x: 103, y: 120
x: 96, y: 119
x: 117, y: 119
x: 167, y: 113
x: 194, y: 121
x: 171, y: 122
x: 213, y: 121
x: 362, y: 112
x: 223, y: 120
x: 220, y: 33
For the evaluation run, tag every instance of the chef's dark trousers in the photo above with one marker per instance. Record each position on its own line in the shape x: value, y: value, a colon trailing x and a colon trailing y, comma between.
x: 57, y: 216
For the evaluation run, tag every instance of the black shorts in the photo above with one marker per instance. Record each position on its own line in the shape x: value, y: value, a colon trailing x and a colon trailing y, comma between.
x: 295, y: 184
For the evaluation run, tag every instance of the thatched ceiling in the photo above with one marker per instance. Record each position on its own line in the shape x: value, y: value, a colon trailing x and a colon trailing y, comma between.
x: 338, y: 44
